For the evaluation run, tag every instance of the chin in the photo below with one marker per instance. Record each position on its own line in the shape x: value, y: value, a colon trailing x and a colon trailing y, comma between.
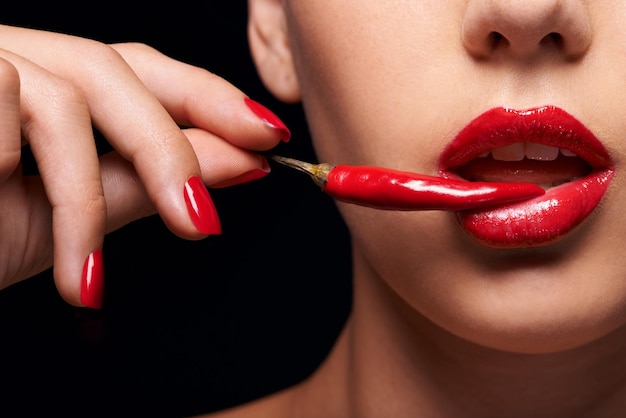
x: 533, y: 338
x: 537, y: 305
x: 536, y: 328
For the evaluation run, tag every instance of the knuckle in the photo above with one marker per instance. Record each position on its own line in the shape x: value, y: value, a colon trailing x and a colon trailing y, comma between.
x: 57, y: 99
x: 137, y: 48
x: 95, y: 203
x: 84, y: 201
x: 92, y: 200
x: 97, y: 63
x: 94, y: 52
x: 165, y: 142
x: 61, y: 94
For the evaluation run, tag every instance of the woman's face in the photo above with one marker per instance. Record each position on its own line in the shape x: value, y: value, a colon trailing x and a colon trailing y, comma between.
x: 393, y: 84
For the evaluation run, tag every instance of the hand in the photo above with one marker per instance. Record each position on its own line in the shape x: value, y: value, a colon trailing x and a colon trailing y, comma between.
x: 53, y: 89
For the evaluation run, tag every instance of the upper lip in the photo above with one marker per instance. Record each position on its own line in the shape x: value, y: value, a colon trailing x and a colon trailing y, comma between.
x: 499, y: 127
x: 574, y: 187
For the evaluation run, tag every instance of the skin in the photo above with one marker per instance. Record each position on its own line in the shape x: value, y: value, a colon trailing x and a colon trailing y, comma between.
x: 442, y: 326
x: 53, y: 87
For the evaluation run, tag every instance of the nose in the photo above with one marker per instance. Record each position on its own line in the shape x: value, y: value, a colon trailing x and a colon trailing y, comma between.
x: 524, y: 29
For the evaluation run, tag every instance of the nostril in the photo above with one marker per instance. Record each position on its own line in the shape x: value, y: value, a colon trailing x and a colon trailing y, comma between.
x: 496, y: 39
x: 554, y: 39
x: 523, y: 29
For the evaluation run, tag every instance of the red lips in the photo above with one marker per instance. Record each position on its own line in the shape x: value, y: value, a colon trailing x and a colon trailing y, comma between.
x: 575, y: 178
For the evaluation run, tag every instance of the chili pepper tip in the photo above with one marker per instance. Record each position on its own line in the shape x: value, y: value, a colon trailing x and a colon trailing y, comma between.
x: 318, y: 172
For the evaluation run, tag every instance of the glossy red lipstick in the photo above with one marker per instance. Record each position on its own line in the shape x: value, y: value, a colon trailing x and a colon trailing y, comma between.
x: 542, y: 220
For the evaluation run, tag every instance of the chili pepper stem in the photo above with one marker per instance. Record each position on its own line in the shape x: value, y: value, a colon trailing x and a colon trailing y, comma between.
x: 318, y: 172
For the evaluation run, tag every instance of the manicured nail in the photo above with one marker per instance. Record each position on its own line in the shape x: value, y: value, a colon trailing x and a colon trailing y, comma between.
x: 270, y: 119
x: 248, y: 176
x: 92, y: 285
x: 201, y: 208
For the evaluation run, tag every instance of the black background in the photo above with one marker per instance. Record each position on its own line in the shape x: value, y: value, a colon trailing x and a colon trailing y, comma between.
x: 187, y: 327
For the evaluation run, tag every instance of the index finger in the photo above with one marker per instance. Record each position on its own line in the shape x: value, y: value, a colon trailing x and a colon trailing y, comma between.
x: 204, y: 100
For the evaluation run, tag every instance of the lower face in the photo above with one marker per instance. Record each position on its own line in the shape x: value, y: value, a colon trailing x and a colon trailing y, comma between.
x: 394, y: 86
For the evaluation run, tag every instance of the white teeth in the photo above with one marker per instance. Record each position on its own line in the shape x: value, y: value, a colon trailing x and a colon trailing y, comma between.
x: 567, y: 153
x: 541, y: 152
x: 513, y: 152
x: 532, y: 151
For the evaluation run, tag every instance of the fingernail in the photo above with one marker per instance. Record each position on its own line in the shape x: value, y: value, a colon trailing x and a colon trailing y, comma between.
x: 92, y: 285
x: 201, y: 208
x: 246, y: 177
x: 270, y: 119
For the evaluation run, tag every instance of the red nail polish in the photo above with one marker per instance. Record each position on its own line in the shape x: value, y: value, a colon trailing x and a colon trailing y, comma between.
x: 246, y: 177
x: 201, y: 208
x: 92, y: 285
x: 269, y: 118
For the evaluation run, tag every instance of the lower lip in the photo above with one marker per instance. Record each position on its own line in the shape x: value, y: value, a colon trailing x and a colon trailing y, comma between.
x: 538, y: 221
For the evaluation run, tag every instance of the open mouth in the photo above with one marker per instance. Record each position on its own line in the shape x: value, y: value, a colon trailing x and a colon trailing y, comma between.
x: 530, y: 162
x: 545, y: 146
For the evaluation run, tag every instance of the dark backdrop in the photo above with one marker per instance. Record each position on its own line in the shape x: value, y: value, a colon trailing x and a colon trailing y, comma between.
x: 187, y: 327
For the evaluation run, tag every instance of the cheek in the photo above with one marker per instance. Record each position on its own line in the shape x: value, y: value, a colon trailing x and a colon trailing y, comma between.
x: 385, y: 86
x: 372, y: 80
x: 404, y: 248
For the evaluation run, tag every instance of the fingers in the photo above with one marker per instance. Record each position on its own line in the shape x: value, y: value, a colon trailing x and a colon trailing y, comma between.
x: 26, y: 209
x: 56, y: 123
x: 195, y: 97
x: 71, y: 84
x: 132, y: 106
x: 132, y: 120
x: 223, y: 164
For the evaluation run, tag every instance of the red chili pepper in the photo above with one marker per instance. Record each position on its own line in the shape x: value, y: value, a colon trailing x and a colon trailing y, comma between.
x: 384, y: 188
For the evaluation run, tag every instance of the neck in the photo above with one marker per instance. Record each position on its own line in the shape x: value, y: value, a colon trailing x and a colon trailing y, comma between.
x: 390, y: 361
